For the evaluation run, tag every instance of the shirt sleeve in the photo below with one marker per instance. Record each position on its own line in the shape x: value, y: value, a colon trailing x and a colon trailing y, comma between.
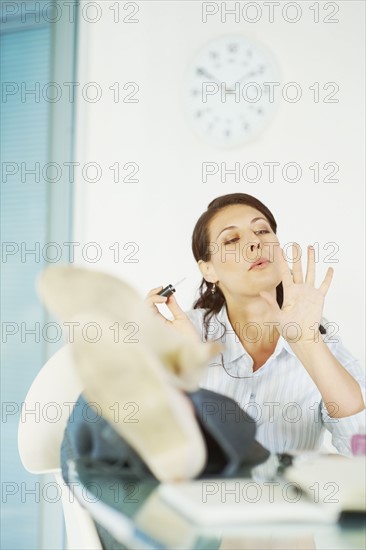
x: 342, y: 429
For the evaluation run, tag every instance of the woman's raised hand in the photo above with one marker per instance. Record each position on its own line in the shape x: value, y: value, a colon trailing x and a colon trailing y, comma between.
x: 299, y: 317
x: 180, y: 320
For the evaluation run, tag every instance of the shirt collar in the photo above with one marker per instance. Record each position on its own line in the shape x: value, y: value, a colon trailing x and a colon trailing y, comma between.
x: 233, y: 349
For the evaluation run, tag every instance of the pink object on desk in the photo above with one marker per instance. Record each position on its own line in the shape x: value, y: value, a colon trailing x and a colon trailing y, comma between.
x: 358, y: 444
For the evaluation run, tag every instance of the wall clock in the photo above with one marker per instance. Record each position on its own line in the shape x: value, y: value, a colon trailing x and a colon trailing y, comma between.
x: 228, y: 102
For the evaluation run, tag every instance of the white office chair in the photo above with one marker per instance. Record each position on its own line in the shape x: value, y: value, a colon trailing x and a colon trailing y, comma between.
x: 52, y: 394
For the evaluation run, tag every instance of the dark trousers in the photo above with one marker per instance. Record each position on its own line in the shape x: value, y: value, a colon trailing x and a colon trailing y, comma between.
x: 229, y: 434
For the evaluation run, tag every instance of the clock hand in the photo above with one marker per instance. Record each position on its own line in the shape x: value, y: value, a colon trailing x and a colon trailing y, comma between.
x: 243, y: 79
x: 205, y: 73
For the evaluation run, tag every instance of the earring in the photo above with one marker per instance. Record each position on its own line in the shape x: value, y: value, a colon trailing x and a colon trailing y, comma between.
x: 213, y: 289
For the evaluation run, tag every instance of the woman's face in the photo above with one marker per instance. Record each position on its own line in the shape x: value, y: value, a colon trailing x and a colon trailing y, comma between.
x: 239, y: 236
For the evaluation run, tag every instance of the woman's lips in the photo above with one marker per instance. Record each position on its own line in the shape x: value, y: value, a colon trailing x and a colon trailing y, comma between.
x: 260, y: 264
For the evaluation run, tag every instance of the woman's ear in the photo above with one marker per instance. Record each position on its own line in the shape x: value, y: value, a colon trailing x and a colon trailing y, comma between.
x: 207, y: 270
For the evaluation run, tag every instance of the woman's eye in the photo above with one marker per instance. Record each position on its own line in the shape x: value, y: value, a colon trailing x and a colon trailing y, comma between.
x: 232, y: 240
x: 261, y: 232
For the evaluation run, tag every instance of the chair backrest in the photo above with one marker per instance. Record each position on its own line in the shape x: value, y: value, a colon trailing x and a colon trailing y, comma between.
x: 80, y: 529
x: 45, y: 411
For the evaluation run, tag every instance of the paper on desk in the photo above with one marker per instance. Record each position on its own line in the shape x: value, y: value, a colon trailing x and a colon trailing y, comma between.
x: 332, y: 479
x: 221, y: 502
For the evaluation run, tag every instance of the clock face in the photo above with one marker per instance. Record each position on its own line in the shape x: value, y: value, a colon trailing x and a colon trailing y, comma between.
x: 227, y: 100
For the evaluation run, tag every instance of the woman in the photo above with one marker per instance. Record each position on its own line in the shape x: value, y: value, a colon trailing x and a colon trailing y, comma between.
x: 274, y: 363
x: 278, y: 363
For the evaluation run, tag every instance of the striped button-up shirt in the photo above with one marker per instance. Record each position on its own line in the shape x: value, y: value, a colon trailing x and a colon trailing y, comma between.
x: 280, y: 396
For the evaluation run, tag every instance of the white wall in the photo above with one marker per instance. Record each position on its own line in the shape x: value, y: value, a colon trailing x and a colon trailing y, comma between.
x: 159, y: 212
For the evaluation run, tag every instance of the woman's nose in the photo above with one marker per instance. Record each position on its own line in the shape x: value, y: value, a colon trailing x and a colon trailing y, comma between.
x: 255, y: 246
